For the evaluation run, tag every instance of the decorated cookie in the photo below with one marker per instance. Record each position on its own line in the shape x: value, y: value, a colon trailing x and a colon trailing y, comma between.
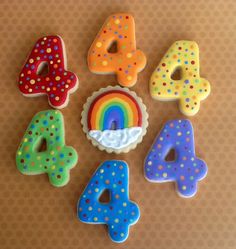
x: 114, y: 119
x: 57, y: 159
x: 119, y: 213
x: 186, y: 169
x: 127, y: 61
x: 190, y: 89
x: 58, y: 83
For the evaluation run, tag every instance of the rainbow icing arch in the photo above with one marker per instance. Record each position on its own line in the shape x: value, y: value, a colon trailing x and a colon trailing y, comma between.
x: 114, y: 107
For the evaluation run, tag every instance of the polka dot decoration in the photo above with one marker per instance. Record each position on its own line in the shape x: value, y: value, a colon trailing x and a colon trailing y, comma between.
x: 48, y: 52
x: 35, y: 214
x: 185, y: 169
x: 119, y: 213
x: 57, y: 159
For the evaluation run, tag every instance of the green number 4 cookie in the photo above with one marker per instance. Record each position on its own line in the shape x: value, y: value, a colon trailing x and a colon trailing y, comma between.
x: 57, y: 159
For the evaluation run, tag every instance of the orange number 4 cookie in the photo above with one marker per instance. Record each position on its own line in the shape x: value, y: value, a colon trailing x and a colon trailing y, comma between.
x: 191, y: 88
x: 127, y: 61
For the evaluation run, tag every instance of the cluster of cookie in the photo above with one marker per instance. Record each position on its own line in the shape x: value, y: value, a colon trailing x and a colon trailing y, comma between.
x: 114, y: 119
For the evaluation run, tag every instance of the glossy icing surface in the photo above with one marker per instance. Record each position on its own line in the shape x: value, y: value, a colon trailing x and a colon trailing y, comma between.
x: 191, y: 88
x: 127, y: 61
x: 114, y: 119
x: 57, y: 159
x: 186, y: 170
x: 120, y: 212
x: 114, y: 107
x: 116, y: 139
x: 58, y: 83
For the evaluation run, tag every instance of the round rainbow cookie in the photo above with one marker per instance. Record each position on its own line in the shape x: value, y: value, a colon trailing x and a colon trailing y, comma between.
x: 114, y: 119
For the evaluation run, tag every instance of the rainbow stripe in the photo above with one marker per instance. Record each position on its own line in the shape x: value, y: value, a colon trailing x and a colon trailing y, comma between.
x: 114, y: 108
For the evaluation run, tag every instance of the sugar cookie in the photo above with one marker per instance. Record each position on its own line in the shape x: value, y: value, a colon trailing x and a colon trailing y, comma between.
x: 120, y: 212
x: 127, y: 62
x: 58, y: 83
x: 186, y: 170
x: 57, y: 159
x: 191, y: 88
x: 114, y: 119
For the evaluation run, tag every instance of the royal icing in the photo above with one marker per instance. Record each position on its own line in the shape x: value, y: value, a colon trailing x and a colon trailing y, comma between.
x: 190, y: 89
x: 186, y: 170
x: 114, y: 118
x: 116, y: 139
x: 58, y: 83
x: 120, y: 212
x: 127, y: 61
x: 57, y: 159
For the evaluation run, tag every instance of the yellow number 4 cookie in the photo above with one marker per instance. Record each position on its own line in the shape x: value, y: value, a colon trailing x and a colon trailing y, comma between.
x: 190, y: 89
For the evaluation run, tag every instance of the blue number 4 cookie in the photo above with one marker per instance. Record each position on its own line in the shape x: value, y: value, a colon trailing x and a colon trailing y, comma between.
x: 186, y: 170
x: 120, y: 212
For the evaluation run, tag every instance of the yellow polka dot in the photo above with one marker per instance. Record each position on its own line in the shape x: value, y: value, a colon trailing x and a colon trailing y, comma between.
x: 53, y: 126
x: 52, y: 152
x: 117, y: 21
x: 184, y: 187
x: 19, y: 153
x: 66, y: 86
x: 90, y: 208
x: 164, y: 174
x: 48, y: 89
x: 129, y: 77
x: 124, y: 204
x: 96, y: 189
x: 129, y: 55
x: 49, y: 50
x: 98, y: 44
x: 26, y: 140
x: 95, y: 219
x: 57, y: 78
x: 57, y: 98
x: 32, y: 82
x: 104, y: 63
x: 30, y: 90
x: 31, y: 60
x: 179, y: 134
x: 149, y: 162
x: 53, y: 167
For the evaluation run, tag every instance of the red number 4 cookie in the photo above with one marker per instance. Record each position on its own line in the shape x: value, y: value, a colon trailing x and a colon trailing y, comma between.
x: 58, y: 83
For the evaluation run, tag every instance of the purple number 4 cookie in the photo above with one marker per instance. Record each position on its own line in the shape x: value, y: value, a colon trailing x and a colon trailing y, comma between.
x: 186, y: 169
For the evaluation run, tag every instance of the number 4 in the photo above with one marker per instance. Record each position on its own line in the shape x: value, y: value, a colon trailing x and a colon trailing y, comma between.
x: 127, y: 61
x: 190, y: 89
x: 120, y: 212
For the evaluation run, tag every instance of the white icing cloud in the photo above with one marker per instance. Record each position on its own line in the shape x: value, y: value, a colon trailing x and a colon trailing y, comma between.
x: 116, y: 139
